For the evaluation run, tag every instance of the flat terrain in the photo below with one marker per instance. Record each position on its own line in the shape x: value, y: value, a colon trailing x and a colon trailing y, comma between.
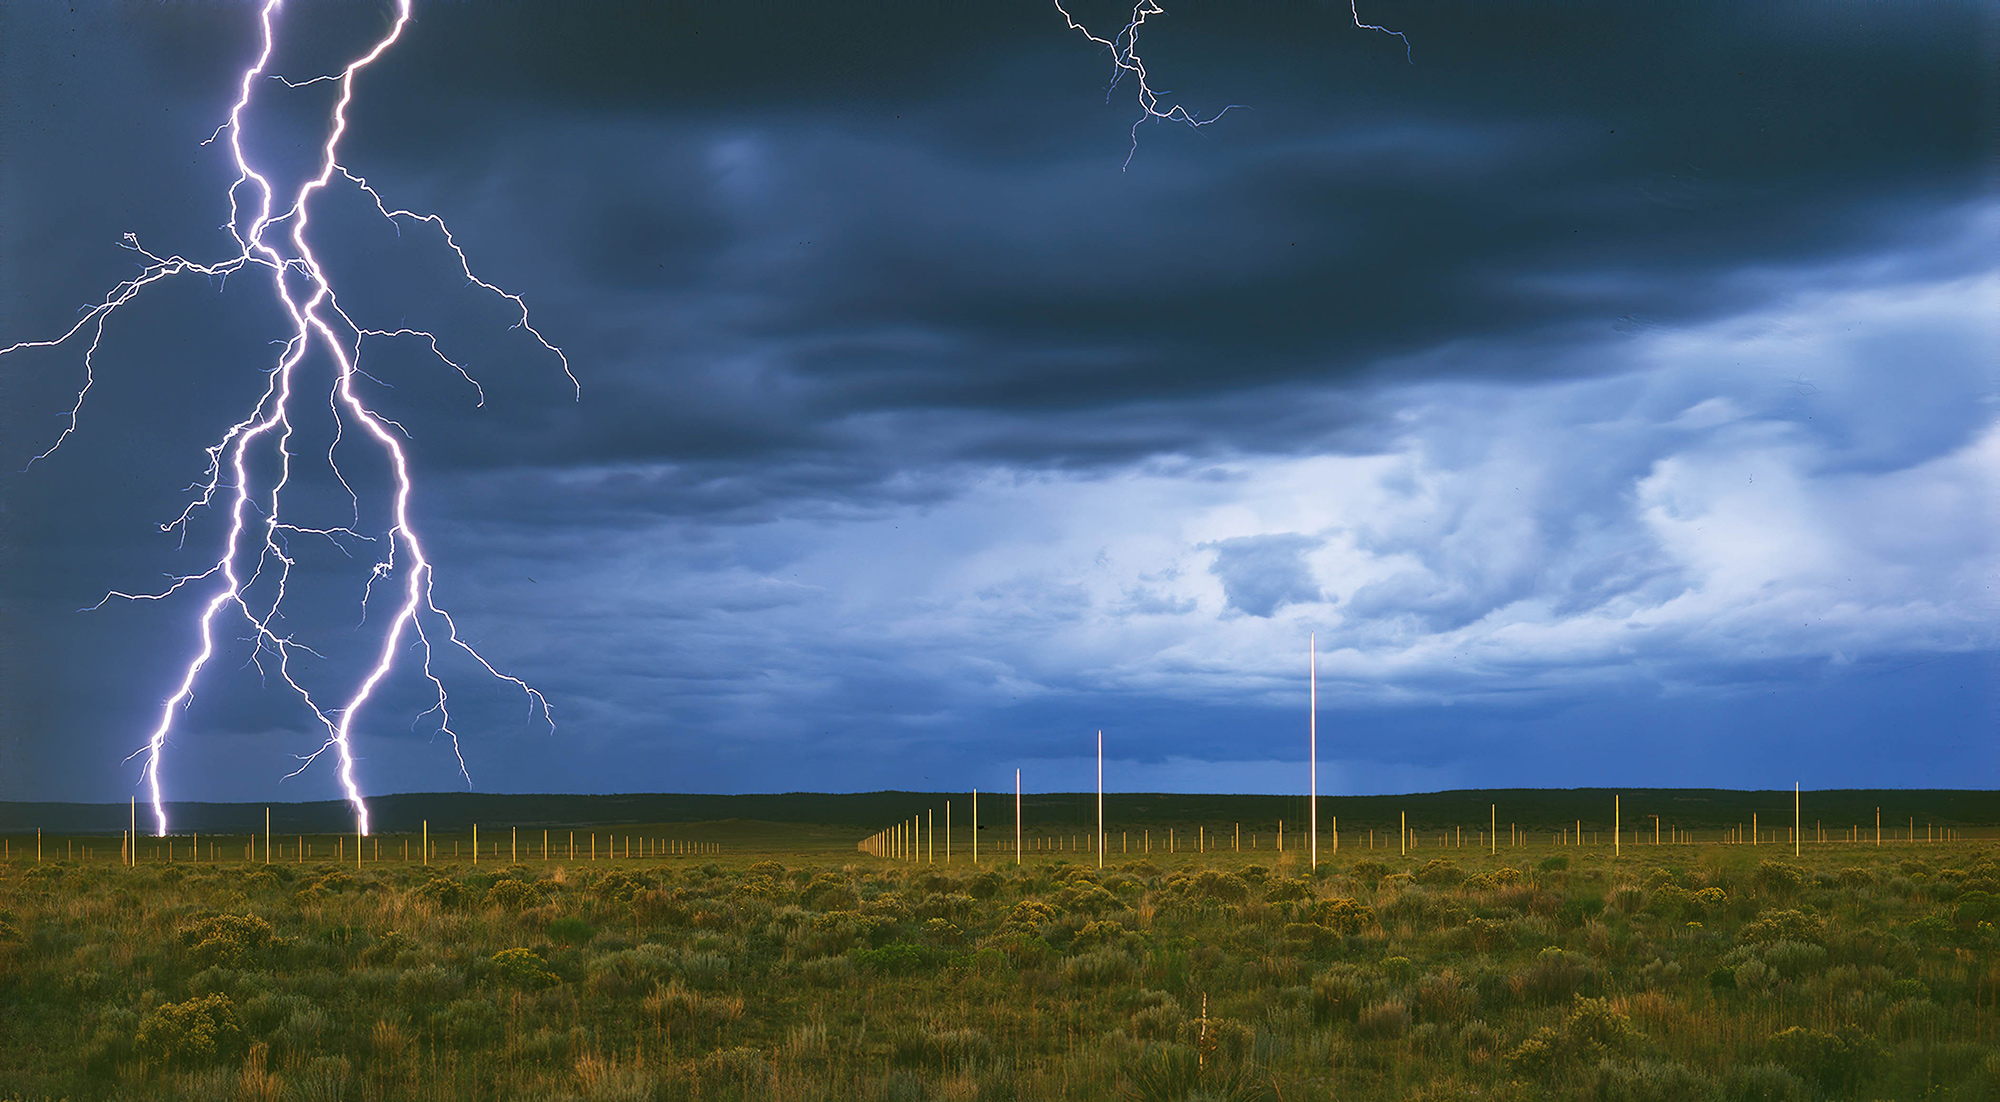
x: 741, y: 960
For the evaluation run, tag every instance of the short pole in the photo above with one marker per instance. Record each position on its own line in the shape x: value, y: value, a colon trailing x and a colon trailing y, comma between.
x: 1100, y: 798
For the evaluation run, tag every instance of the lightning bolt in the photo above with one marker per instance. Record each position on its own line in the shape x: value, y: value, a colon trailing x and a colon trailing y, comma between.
x: 254, y: 549
x: 1125, y: 61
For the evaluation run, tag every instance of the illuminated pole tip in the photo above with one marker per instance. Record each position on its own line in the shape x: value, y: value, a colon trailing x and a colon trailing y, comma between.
x: 256, y: 524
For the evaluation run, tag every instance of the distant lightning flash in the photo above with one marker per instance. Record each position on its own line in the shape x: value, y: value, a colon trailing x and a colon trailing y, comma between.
x: 279, y: 244
x: 1125, y: 61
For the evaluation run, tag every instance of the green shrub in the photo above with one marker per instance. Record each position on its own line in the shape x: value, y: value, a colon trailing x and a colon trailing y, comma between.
x: 523, y: 969
x: 428, y: 983
x: 1218, y: 886
x: 828, y: 971
x: 1438, y: 871
x: 953, y: 1048
x: 1164, y: 1073
x: 203, y: 1030
x: 1083, y: 899
x: 1594, y: 1030
x: 1827, y: 1060
x: 1792, y: 959
x: 1488, y: 934
x: 1538, y: 1056
x: 226, y: 939
x: 1555, y: 976
x: 1651, y: 1081
x: 1779, y: 879
x: 1029, y: 915
x: 1444, y: 997
x: 1763, y: 1083
x: 1099, y: 968
x: 447, y: 893
x: 1578, y: 909
x: 569, y: 930
x: 1774, y: 926
x: 1383, y: 1020
x: 512, y: 895
x: 898, y: 958
x: 1158, y: 1018
x: 1287, y: 891
x: 705, y: 969
x: 1339, y: 993
x: 471, y: 1023
x: 1345, y: 916
x: 1368, y: 872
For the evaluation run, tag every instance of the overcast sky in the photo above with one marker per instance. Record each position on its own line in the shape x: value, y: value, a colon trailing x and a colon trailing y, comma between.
x: 1611, y: 387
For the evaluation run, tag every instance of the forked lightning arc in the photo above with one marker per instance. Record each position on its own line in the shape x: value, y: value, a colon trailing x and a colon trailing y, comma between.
x: 1126, y: 62
x: 275, y: 240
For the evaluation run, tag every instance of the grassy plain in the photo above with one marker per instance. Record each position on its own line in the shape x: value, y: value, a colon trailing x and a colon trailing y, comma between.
x: 787, y: 965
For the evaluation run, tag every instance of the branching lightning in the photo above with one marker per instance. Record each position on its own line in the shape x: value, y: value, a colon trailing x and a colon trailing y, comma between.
x: 1125, y: 61
x: 257, y: 533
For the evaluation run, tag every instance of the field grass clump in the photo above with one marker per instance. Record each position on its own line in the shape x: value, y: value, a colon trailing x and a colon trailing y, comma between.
x: 1711, y: 974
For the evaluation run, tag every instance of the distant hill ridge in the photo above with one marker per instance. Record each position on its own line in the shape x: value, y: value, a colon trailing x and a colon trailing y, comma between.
x: 1530, y: 808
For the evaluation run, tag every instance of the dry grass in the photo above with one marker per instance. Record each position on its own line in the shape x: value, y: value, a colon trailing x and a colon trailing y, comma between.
x: 701, y: 979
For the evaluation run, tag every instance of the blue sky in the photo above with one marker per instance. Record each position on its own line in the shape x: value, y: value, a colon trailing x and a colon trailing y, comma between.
x: 1611, y: 391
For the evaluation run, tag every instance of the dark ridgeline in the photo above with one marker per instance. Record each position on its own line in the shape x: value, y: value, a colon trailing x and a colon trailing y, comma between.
x: 1532, y: 809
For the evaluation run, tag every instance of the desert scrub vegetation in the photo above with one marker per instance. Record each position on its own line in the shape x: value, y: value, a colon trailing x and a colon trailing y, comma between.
x: 1690, y: 974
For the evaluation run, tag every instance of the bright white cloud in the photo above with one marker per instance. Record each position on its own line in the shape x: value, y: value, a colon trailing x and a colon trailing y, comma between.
x: 1814, y: 482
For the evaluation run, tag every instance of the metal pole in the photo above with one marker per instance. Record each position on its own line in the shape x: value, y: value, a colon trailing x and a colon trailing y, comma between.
x: 1312, y: 728
x: 1017, y: 816
x: 1100, y: 798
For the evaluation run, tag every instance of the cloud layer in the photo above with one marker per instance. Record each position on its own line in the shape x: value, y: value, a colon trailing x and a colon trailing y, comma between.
x: 1627, y: 369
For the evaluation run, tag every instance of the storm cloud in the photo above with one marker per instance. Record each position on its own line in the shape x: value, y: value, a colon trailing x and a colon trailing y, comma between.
x: 1619, y: 368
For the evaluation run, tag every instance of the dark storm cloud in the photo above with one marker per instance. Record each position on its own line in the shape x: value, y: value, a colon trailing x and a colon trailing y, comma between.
x: 829, y: 272
x: 902, y: 213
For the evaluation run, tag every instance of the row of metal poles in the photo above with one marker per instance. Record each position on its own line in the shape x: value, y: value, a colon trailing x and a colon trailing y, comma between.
x: 369, y: 847
x: 915, y: 839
